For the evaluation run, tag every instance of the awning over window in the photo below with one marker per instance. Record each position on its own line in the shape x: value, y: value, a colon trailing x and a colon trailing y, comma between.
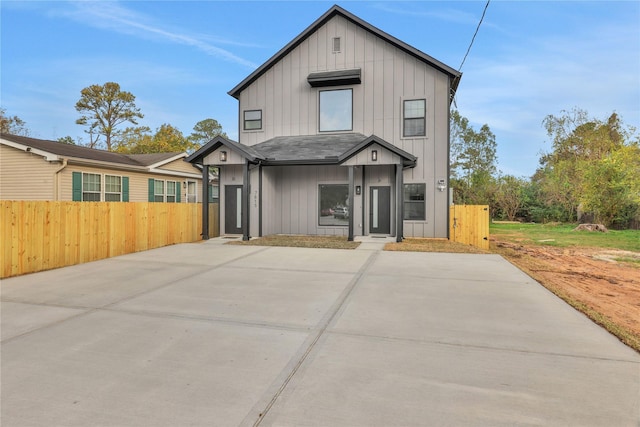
x: 335, y: 78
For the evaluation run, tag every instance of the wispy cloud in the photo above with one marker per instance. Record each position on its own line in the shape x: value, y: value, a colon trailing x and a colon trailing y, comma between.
x: 115, y: 17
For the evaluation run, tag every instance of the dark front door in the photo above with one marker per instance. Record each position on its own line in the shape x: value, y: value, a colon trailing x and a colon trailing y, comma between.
x: 380, y: 210
x: 233, y: 209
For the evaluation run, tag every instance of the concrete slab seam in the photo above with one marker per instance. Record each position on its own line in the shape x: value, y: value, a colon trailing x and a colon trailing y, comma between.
x: 320, y: 330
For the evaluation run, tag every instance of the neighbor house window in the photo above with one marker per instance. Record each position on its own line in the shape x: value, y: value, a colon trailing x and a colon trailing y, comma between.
x: 91, y: 189
x: 158, y: 191
x: 336, y: 110
x: 171, y: 191
x: 414, y: 117
x: 414, y: 203
x: 112, y: 188
x: 192, y: 192
x: 333, y: 203
x: 253, y: 120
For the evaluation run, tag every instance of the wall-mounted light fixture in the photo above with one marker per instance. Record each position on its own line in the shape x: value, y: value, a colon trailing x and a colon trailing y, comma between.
x: 374, y: 155
x: 184, y: 184
x: 358, y: 190
x: 223, y: 156
x: 442, y: 185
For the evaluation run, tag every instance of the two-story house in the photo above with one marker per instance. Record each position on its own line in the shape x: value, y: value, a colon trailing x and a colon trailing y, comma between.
x: 344, y: 131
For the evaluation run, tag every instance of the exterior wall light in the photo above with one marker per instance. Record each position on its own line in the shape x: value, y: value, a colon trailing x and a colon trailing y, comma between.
x: 374, y: 155
x: 223, y: 156
x: 358, y: 190
x: 442, y: 185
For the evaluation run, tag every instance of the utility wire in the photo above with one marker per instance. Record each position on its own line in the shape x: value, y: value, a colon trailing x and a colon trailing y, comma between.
x: 471, y: 44
x: 474, y: 34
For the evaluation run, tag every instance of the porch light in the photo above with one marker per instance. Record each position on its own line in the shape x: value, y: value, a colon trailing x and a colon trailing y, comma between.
x: 442, y: 185
x: 374, y: 155
x: 223, y: 156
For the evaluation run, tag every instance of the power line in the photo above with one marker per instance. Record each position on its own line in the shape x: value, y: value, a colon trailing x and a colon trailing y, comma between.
x: 471, y: 44
x: 474, y: 34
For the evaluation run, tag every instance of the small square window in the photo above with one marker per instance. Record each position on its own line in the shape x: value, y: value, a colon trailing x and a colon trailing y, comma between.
x: 253, y: 120
x: 414, y: 118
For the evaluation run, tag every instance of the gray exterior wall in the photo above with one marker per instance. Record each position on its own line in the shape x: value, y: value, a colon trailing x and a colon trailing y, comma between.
x: 389, y: 75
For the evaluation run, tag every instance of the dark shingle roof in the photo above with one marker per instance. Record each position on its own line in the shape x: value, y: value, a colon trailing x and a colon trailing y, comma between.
x: 80, y: 152
x: 309, y: 147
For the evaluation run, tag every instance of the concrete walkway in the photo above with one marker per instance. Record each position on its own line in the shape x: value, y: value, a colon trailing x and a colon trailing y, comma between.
x: 209, y: 334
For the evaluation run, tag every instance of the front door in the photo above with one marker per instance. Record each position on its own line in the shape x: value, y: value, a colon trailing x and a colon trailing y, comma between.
x: 233, y: 209
x: 380, y: 210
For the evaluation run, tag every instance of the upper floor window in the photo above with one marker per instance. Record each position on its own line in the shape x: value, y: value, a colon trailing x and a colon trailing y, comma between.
x: 336, y: 110
x: 252, y: 120
x: 414, y: 117
x: 335, y: 45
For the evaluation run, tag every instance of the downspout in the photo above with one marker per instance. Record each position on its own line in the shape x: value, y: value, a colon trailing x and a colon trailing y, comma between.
x: 56, y: 180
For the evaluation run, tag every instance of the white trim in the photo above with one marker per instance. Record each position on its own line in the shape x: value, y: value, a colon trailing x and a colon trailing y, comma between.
x: 50, y: 157
x: 169, y: 160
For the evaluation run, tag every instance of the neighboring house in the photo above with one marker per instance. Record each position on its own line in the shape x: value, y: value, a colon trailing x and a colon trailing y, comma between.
x: 35, y: 169
x: 344, y: 131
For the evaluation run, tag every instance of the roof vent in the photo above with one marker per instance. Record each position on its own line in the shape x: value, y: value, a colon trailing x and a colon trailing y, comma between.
x: 335, y: 43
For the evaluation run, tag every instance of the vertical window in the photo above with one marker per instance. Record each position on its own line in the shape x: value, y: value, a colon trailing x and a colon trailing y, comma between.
x: 336, y: 110
x: 335, y: 45
x: 253, y: 120
x: 112, y: 188
x: 171, y: 191
x: 158, y: 191
x: 91, y: 187
x: 192, y: 192
x: 414, y: 117
x: 414, y: 203
x: 333, y: 200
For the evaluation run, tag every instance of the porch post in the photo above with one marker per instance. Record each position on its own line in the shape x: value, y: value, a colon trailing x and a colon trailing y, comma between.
x: 399, y: 203
x: 205, y: 202
x: 245, y: 201
x: 260, y: 200
x: 351, y: 203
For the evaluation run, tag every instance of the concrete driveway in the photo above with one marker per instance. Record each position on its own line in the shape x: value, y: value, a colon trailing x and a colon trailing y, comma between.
x: 216, y: 335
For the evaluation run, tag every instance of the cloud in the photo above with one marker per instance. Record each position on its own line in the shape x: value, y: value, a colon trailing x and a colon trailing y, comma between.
x: 114, y: 17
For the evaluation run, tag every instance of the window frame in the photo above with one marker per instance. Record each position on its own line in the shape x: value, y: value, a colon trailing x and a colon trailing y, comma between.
x: 86, y: 192
x: 111, y: 192
x: 169, y: 195
x: 320, y: 207
x: 245, y: 120
x: 192, y: 198
x: 155, y: 190
x: 414, y: 202
x: 406, y: 119
x: 320, y: 111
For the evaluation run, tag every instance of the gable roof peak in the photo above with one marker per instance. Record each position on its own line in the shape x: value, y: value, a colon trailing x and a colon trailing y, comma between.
x: 453, y: 74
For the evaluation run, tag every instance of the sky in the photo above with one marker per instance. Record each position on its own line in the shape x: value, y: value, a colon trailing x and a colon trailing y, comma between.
x: 529, y: 59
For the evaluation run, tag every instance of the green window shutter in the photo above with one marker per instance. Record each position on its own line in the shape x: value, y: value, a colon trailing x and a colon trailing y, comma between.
x: 178, y: 191
x: 76, y: 182
x: 125, y: 188
x: 151, y: 190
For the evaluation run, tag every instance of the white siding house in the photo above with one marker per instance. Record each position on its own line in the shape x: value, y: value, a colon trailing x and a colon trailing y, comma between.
x: 344, y: 131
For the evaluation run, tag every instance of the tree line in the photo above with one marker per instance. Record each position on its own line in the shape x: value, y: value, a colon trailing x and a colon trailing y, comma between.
x: 592, y: 171
x: 105, y: 109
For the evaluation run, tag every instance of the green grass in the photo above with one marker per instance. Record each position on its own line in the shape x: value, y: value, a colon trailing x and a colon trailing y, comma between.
x: 564, y: 236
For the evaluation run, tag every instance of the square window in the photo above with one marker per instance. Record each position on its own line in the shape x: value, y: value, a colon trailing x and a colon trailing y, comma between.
x: 414, y: 117
x: 414, y: 202
x: 253, y: 120
x: 336, y: 110
x: 333, y: 203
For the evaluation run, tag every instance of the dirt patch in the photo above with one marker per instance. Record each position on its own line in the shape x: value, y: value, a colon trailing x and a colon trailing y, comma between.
x: 605, y: 282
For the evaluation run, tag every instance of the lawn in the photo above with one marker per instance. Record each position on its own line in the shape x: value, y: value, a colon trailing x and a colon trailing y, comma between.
x: 564, y: 236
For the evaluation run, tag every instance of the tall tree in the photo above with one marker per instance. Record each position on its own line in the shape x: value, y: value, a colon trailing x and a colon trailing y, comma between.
x: 103, y: 108
x: 12, y: 125
x: 473, y: 161
x: 67, y: 140
x: 205, y: 130
x: 167, y: 139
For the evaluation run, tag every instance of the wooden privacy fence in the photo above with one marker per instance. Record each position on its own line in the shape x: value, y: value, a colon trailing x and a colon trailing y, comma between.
x: 40, y: 235
x: 469, y: 224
